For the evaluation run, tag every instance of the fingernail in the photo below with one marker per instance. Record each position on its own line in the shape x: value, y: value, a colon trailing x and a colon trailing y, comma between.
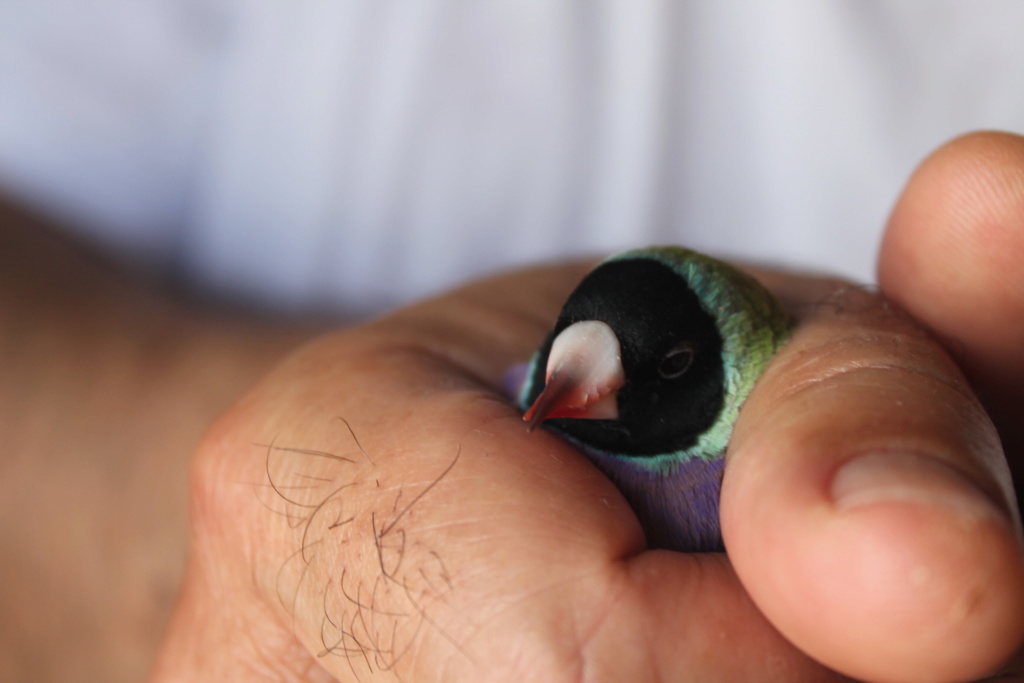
x: 906, y: 477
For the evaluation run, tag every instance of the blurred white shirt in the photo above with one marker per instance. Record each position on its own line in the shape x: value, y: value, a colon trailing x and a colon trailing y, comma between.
x: 355, y: 155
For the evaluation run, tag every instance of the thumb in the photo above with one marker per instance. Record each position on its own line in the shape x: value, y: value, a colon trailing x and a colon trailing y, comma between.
x: 864, y: 507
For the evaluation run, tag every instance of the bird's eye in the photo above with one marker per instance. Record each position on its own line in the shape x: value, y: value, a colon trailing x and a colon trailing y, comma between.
x: 677, y: 361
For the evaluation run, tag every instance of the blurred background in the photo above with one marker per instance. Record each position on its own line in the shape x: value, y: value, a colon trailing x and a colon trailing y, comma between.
x: 355, y: 155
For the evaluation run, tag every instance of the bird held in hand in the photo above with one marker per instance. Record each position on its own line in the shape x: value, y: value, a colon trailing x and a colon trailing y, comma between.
x: 646, y: 369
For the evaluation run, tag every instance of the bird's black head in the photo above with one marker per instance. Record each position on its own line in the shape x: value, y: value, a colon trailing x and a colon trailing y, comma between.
x: 671, y: 356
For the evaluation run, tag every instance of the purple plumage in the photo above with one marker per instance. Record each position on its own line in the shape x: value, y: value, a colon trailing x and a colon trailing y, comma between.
x: 678, y: 511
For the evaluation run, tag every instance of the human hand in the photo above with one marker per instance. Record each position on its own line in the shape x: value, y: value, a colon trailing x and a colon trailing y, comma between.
x: 438, y: 540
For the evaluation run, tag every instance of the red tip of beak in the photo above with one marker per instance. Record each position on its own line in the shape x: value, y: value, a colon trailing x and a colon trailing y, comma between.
x: 584, y: 375
x: 554, y: 401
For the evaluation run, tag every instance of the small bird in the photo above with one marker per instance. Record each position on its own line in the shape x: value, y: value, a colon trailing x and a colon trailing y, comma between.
x: 646, y: 369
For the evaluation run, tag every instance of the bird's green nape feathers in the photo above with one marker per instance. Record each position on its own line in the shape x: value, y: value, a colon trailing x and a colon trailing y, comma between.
x: 752, y: 326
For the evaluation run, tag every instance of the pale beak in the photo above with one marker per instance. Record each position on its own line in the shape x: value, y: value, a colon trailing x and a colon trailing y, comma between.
x: 583, y: 375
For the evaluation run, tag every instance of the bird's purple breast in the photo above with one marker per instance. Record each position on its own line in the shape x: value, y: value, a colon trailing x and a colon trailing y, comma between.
x: 679, y: 510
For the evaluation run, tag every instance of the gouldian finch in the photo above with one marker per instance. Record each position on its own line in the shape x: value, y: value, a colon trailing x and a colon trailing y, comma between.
x: 645, y: 371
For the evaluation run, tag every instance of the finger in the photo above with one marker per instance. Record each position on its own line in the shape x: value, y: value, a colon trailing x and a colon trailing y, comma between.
x: 864, y: 507
x: 952, y: 257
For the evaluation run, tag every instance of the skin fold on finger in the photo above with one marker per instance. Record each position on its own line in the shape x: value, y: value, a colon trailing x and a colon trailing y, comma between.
x: 866, y: 504
x: 952, y: 257
x: 380, y: 503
